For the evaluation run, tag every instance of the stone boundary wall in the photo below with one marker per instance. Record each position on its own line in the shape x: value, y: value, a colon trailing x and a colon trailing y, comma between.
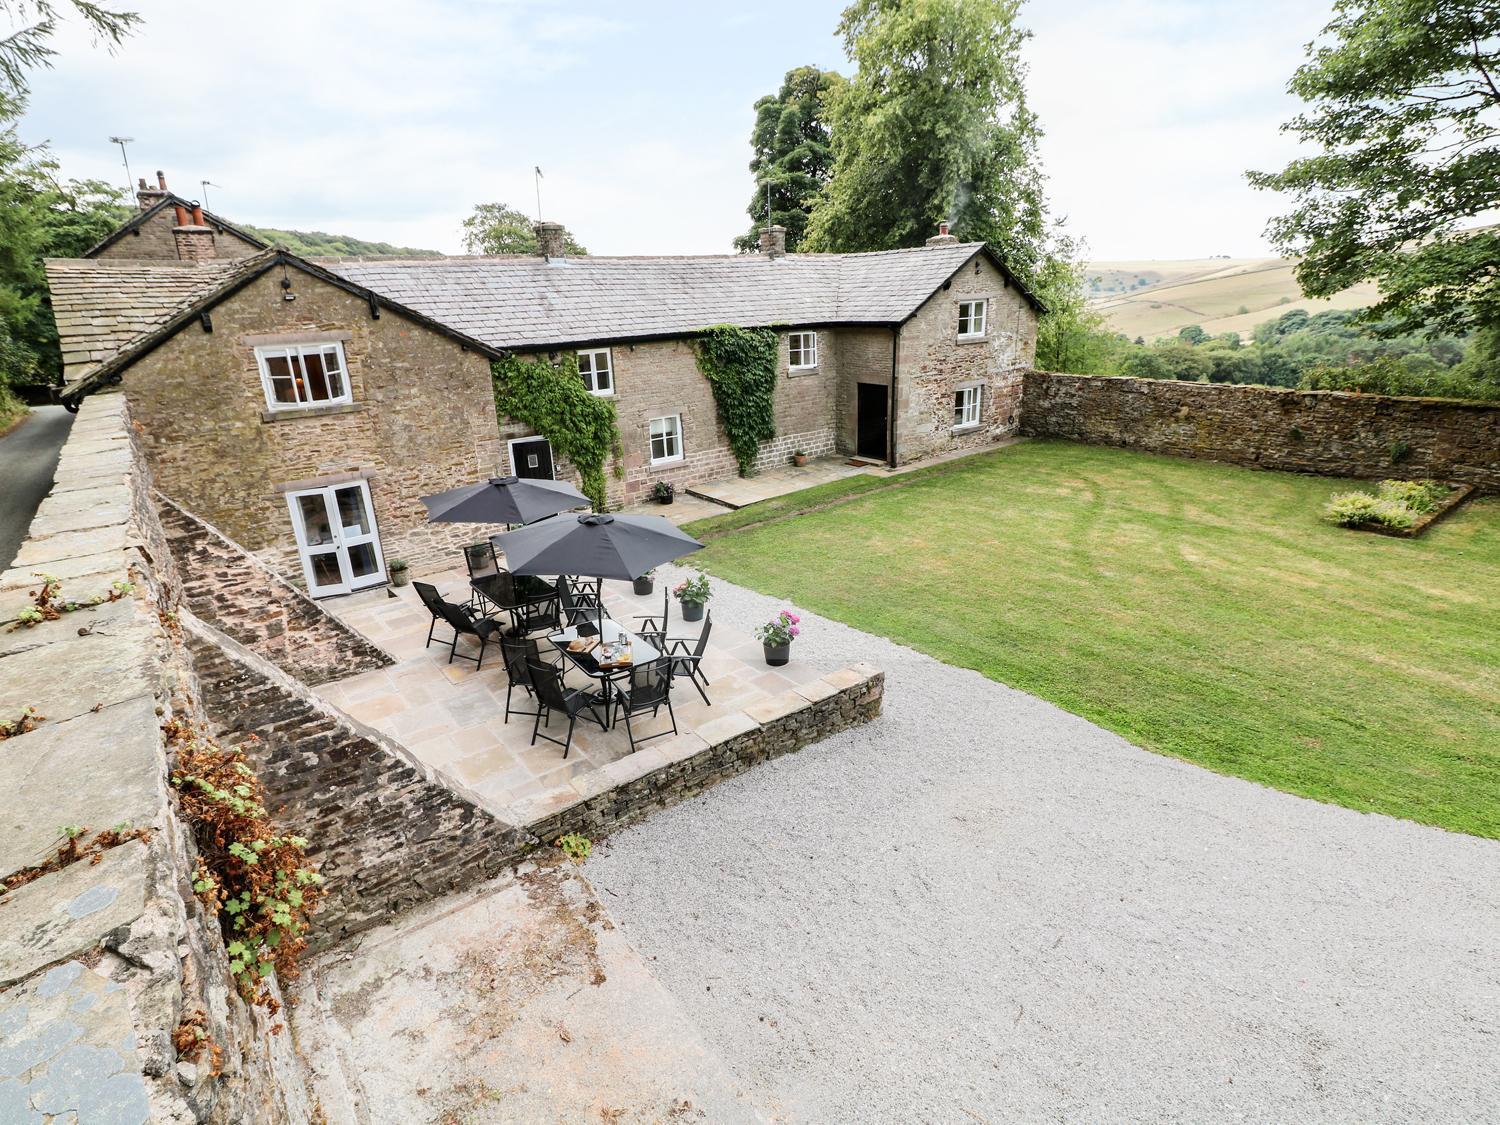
x: 100, y: 962
x: 384, y: 830
x: 1334, y: 433
x: 229, y: 588
x: 655, y: 777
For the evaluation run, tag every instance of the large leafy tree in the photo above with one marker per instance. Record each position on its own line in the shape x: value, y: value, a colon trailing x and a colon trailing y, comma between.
x: 1403, y: 104
x: 33, y: 26
x: 935, y: 125
x: 495, y: 228
x: 793, y: 154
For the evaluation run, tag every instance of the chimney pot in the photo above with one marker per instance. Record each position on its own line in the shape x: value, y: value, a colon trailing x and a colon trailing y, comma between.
x: 141, y: 183
x: 161, y: 181
x: 773, y: 241
x: 197, y: 215
x: 549, y: 240
x: 943, y: 238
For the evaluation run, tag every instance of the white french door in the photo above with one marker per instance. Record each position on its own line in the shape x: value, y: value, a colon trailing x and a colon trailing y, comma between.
x: 337, y: 539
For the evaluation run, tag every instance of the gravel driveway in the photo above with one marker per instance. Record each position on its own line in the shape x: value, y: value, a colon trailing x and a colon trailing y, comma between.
x: 981, y: 908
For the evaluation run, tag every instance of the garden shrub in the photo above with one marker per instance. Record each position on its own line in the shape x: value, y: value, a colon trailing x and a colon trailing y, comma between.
x: 1418, y: 495
x: 1395, y: 504
x: 740, y: 366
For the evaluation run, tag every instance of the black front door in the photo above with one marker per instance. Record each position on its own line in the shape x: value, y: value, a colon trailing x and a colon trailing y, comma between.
x: 872, y: 421
x: 532, y: 457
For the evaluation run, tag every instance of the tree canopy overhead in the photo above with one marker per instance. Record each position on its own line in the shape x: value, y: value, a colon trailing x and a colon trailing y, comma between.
x: 34, y: 26
x: 793, y: 153
x: 1403, y: 102
x: 934, y: 125
x: 496, y: 228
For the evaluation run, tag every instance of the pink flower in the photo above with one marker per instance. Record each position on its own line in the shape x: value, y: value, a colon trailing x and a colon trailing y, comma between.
x: 794, y: 630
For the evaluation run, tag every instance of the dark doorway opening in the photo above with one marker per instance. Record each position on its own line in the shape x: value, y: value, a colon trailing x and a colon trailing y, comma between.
x: 872, y: 422
x: 532, y: 457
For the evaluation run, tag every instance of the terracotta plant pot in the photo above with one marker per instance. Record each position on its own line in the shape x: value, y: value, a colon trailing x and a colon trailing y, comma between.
x: 644, y: 585
x: 692, y: 611
x: 400, y: 577
x: 799, y: 459
x: 777, y: 655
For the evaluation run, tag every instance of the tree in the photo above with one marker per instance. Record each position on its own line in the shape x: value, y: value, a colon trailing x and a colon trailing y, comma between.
x: 1403, y: 100
x: 1192, y: 334
x: 793, y: 154
x: 29, y: 45
x: 935, y: 125
x: 1072, y: 336
x: 495, y: 228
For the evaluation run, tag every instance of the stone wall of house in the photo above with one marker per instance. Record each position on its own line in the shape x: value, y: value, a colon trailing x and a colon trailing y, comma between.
x: 657, y: 776
x: 1329, y: 432
x: 384, y: 830
x: 661, y: 377
x: 934, y: 363
x: 422, y: 420
x: 226, y: 586
x: 154, y: 239
x: 101, y: 961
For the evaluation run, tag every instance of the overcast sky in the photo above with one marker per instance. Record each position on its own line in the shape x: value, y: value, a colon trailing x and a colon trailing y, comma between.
x: 388, y: 119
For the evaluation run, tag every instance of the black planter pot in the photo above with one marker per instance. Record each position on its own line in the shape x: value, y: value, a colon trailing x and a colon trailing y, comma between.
x: 692, y: 611
x: 777, y: 655
x: 644, y: 585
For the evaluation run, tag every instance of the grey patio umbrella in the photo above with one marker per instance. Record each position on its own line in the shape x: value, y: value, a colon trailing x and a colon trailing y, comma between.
x: 504, y: 500
x: 596, y: 546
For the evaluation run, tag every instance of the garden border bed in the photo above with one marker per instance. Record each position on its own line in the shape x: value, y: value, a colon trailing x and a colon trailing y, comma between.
x: 1460, y: 493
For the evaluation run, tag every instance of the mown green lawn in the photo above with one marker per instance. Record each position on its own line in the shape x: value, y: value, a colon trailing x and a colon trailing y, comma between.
x: 1199, y: 610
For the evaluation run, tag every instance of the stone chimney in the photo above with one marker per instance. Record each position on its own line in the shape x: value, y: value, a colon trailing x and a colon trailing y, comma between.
x: 943, y: 238
x: 149, y: 197
x: 773, y: 241
x: 549, y: 240
x: 194, y: 237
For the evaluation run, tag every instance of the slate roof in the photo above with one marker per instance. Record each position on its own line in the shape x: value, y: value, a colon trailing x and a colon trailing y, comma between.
x: 157, y: 208
x: 529, y: 302
x: 101, y: 305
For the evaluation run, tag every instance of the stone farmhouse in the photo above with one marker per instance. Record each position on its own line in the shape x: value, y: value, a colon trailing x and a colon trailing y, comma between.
x: 304, y: 406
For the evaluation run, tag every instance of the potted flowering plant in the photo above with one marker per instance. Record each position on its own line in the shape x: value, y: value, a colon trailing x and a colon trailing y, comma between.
x: 400, y: 572
x: 663, y: 491
x: 646, y: 582
x: 692, y: 593
x: 776, y: 637
x: 799, y: 458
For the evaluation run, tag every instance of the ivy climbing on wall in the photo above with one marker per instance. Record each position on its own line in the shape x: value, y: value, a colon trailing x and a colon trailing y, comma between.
x: 740, y: 366
x: 552, y: 400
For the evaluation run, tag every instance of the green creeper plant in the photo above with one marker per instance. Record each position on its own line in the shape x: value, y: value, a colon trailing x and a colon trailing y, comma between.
x: 552, y: 400
x: 740, y: 366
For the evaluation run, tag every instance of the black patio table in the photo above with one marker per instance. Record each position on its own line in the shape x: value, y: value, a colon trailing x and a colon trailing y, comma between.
x: 639, y: 651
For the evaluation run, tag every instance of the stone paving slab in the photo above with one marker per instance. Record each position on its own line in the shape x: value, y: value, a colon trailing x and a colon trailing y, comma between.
x: 68, y: 1052
x: 68, y: 912
x: 101, y: 670
x: 112, y: 564
x: 36, y: 553
x: 110, y: 761
x: 103, y: 618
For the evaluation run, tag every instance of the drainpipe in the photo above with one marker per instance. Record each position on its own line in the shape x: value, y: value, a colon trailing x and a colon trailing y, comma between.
x: 890, y: 452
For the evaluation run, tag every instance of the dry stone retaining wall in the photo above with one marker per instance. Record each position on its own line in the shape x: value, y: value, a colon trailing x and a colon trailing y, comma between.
x: 1327, y: 432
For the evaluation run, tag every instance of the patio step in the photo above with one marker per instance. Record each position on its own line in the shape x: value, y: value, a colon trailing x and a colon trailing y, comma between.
x: 712, y: 499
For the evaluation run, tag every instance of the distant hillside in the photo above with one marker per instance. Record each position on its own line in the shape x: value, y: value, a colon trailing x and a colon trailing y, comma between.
x: 316, y: 244
x: 1156, y: 298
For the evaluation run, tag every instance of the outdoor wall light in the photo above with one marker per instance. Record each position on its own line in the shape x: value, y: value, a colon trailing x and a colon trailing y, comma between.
x: 286, y: 289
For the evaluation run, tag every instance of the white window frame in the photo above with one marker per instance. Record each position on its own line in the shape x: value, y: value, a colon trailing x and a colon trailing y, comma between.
x: 609, y: 370
x: 968, y: 416
x: 982, y: 305
x: 295, y: 352
x: 675, y: 432
x: 808, y: 346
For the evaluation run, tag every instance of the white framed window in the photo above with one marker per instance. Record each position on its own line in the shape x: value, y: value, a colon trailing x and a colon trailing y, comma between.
x: 297, y: 375
x: 666, y: 439
x: 966, y: 402
x: 802, y: 347
x: 971, y: 319
x: 598, y: 371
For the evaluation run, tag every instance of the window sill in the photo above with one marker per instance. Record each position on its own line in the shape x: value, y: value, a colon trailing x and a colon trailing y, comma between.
x: 655, y: 464
x: 292, y: 413
x: 602, y: 394
x: 972, y: 427
x: 971, y: 339
x: 793, y: 372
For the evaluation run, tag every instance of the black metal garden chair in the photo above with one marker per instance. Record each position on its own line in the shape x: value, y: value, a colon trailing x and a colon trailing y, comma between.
x: 466, y: 623
x: 648, y: 688
x: 573, y: 611
x: 430, y: 597
x: 653, y: 628
x: 687, y: 657
x: 555, y: 697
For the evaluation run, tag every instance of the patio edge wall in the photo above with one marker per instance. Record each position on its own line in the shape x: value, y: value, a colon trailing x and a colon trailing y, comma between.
x: 1333, y: 433
x: 653, y: 778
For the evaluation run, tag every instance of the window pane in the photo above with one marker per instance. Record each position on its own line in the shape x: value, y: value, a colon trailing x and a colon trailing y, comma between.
x: 317, y: 382
x: 279, y: 368
x: 326, y: 571
x: 315, y: 525
x: 362, y: 560
x: 352, y: 514
x: 585, y: 364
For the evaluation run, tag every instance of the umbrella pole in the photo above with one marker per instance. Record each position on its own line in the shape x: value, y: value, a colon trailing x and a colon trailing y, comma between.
x: 599, y: 597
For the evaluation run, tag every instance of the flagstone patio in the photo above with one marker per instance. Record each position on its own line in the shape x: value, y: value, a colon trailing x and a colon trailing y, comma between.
x: 452, y: 715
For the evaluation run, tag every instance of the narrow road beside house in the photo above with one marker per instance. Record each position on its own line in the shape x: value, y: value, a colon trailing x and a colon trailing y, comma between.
x: 28, y: 458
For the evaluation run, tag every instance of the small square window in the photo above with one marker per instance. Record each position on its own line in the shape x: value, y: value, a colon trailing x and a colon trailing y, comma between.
x: 966, y: 407
x: 802, y: 348
x: 971, y: 317
x: 666, y: 439
x: 597, y: 371
x: 303, y: 375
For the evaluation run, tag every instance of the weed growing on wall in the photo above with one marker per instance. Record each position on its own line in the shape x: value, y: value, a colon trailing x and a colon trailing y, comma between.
x: 257, y: 879
x: 740, y: 366
x: 553, y: 401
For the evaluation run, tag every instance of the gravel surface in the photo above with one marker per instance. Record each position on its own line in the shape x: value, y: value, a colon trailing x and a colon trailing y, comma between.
x: 981, y: 908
